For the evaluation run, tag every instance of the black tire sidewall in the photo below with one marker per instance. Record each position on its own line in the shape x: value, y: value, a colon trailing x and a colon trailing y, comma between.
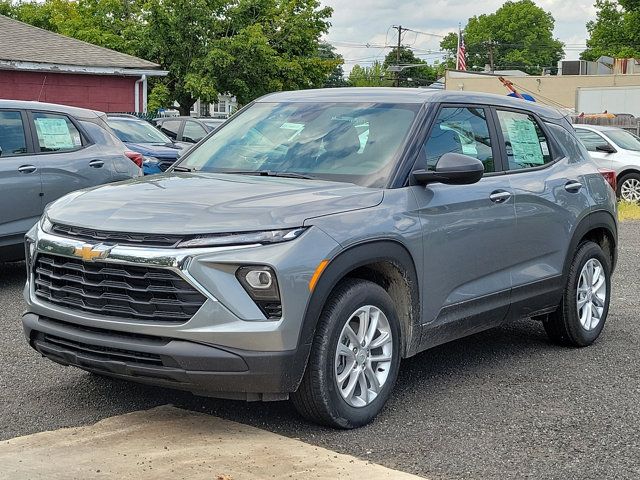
x: 579, y: 334
x: 357, y: 294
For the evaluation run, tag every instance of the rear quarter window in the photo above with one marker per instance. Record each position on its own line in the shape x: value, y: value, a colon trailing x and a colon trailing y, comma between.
x: 571, y: 147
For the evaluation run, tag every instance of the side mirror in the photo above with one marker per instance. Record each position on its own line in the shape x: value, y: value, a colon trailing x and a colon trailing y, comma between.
x: 452, y: 169
x: 606, y: 148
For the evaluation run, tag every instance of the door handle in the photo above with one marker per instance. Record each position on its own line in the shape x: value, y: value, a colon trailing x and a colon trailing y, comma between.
x: 499, y: 196
x: 96, y: 163
x: 27, y: 169
x: 572, y: 186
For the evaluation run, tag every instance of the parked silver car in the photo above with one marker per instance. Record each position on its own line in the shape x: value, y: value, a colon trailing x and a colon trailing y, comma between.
x: 320, y: 236
x: 618, y: 150
x: 47, y: 151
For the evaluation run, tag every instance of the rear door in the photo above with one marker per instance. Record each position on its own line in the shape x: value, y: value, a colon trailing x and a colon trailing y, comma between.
x: 20, y: 183
x: 67, y: 158
x: 465, y: 273
x: 550, y: 194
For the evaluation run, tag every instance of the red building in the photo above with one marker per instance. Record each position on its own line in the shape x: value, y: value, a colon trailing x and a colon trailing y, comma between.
x: 39, y: 65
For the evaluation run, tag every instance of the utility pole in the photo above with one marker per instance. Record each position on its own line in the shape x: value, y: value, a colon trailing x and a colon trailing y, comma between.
x: 491, y: 64
x: 400, y: 30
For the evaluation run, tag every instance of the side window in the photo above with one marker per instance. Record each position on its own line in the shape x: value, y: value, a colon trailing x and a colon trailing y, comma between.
x: 170, y: 128
x: 526, y: 144
x: 56, y: 133
x: 590, y: 139
x: 193, y: 132
x: 459, y: 130
x: 12, y: 137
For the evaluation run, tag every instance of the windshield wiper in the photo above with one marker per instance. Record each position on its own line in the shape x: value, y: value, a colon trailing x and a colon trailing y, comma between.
x: 178, y: 168
x: 270, y: 173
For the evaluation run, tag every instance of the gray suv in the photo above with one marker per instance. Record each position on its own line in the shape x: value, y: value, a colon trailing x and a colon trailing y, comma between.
x: 319, y: 237
x: 47, y: 151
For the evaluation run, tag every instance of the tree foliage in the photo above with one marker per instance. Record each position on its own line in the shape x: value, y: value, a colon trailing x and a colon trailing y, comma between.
x: 421, y: 75
x: 243, y: 47
x: 615, y: 32
x: 519, y: 35
x: 373, y: 76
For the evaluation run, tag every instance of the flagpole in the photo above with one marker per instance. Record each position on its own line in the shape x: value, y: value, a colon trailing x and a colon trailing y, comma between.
x: 458, y: 49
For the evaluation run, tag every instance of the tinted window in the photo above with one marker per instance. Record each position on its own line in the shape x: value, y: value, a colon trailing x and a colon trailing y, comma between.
x: 459, y: 130
x: 624, y: 139
x: 193, y: 132
x: 526, y: 144
x: 350, y: 142
x: 136, y: 131
x: 170, y: 128
x: 56, y: 132
x: 12, y: 137
x: 590, y: 139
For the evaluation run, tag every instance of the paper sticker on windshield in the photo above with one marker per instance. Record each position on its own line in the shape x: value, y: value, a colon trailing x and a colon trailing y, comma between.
x: 525, y: 144
x: 54, y: 133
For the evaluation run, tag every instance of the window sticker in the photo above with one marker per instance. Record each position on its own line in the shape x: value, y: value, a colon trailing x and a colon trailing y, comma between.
x: 525, y: 143
x: 54, y: 133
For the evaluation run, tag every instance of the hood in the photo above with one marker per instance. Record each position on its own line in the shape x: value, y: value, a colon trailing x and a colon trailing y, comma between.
x: 159, y: 150
x: 192, y: 203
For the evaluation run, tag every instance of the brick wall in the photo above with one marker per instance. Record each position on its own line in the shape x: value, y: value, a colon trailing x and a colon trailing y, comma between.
x: 98, y: 92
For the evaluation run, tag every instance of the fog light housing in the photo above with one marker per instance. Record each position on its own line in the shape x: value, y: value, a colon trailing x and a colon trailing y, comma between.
x: 261, y: 284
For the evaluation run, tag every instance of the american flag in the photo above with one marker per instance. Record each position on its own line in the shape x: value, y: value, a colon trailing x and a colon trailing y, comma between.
x: 461, y: 62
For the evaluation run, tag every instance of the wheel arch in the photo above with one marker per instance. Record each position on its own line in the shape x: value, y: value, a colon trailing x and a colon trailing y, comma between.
x: 385, y: 262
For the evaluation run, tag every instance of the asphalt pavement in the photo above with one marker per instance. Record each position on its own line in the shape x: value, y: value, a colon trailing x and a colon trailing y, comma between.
x: 503, y: 404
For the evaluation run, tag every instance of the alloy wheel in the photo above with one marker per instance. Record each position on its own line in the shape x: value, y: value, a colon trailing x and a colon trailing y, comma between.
x: 363, y: 356
x: 630, y: 190
x: 591, y: 294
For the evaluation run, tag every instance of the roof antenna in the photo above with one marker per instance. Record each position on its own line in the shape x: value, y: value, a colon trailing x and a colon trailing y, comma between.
x: 44, y: 80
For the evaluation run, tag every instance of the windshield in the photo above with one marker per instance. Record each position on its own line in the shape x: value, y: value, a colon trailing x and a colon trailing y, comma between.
x: 347, y: 142
x: 137, y: 131
x: 624, y: 139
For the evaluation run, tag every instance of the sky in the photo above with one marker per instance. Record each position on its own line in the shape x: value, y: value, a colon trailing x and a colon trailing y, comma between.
x: 361, y: 28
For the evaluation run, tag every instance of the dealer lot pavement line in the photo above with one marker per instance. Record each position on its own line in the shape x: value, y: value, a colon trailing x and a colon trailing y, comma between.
x: 170, y: 443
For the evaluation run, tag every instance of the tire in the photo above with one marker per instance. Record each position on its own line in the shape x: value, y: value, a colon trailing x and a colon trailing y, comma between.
x: 570, y: 324
x: 629, y: 187
x: 320, y: 398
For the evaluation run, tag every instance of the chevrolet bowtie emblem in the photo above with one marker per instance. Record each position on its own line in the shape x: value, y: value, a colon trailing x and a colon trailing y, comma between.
x: 88, y: 253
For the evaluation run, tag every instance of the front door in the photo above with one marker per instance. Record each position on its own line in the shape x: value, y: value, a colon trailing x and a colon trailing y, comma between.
x: 467, y: 230
x: 20, y: 185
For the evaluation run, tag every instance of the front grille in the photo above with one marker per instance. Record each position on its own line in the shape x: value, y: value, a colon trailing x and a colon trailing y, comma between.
x: 125, y: 291
x: 121, y: 238
x: 103, y: 353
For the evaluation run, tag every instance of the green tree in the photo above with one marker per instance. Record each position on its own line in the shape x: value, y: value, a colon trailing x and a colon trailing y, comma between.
x: 421, y: 75
x: 374, y: 76
x: 519, y: 35
x: 336, y: 77
x: 615, y: 32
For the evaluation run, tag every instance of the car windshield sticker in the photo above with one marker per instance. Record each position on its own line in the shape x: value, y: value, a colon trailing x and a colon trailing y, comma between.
x: 525, y: 143
x: 54, y: 133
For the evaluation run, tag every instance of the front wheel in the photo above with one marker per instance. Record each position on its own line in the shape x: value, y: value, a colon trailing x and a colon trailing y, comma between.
x: 583, y: 311
x: 629, y: 187
x: 355, y: 357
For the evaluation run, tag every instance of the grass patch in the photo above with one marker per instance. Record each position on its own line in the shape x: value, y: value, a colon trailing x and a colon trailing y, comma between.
x: 628, y: 211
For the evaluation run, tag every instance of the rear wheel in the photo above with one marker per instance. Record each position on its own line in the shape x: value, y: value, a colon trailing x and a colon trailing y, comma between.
x: 355, y: 357
x: 629, y: 187
x: 583, y: 311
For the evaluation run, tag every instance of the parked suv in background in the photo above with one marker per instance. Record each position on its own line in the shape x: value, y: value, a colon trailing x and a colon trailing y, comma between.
x: 187, y: 129
x: 47, y: 151
x: 616, y: 149
x: 159, y: 151
x: 318, y: 238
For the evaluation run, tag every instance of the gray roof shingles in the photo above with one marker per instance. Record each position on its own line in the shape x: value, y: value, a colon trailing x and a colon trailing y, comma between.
x: 20, y: 42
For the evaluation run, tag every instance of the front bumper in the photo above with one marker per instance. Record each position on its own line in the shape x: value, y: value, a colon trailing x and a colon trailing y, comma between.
x: 200, y: 369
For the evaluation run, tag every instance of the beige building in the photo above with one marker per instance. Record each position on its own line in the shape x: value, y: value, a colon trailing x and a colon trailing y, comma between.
x: 558, y: 91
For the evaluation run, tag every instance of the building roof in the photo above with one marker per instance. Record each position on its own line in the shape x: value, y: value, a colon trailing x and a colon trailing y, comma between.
x: 24, y: 43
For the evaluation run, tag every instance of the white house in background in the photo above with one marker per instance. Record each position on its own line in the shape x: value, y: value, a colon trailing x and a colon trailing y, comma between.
x: 223, y: 108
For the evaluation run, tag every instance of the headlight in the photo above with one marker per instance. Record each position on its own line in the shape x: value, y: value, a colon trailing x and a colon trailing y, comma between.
x: 248, y: 238
x: 45, y: 224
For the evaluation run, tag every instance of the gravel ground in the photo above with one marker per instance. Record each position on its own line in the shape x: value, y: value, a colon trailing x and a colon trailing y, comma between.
x: 502, y: 404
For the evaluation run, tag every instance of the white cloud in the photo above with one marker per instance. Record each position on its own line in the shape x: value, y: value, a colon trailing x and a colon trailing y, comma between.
x: 356, y: 23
